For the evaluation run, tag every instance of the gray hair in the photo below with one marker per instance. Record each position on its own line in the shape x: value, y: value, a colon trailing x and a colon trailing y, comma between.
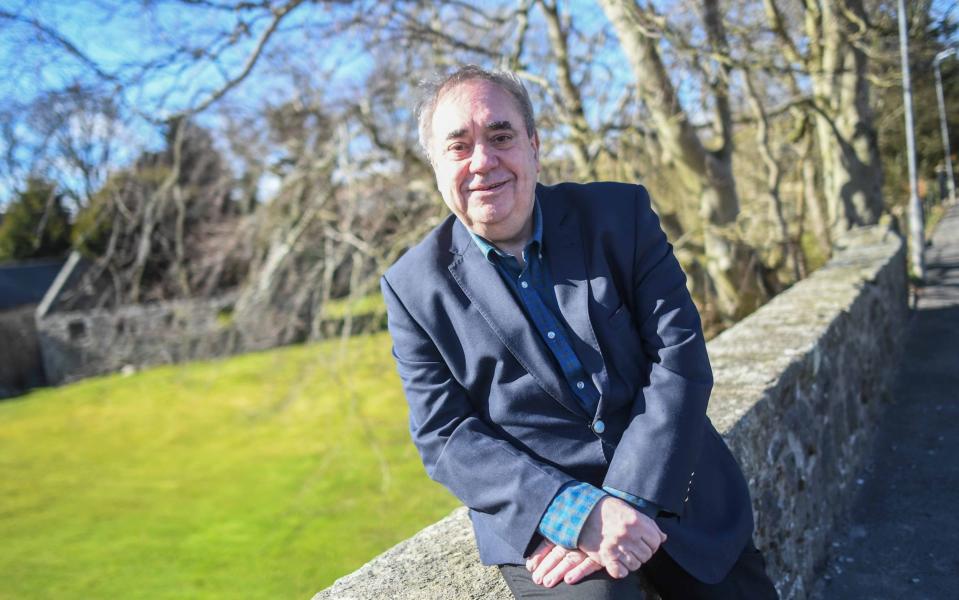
x: 432, y: 89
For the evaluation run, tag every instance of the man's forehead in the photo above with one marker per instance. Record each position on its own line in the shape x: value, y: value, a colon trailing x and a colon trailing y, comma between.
x: 469, y: 102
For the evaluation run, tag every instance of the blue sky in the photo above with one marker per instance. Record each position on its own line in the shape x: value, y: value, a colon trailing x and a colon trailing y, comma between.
x: 119, y: 34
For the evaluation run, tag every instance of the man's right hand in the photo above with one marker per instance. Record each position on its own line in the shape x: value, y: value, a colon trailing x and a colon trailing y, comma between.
x: 550, y: 564
x: 619, y: 537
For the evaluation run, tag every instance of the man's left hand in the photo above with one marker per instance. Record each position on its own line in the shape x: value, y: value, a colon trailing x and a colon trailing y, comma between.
x: 551, y: 564
x: 619, y: 537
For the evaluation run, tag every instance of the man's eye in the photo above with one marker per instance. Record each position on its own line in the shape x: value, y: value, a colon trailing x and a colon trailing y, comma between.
x: 502, y: 139
x: 457, y: 148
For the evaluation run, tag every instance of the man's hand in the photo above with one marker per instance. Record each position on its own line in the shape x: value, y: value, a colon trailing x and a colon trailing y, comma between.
x: 619, y: 537
x: 551, y: 564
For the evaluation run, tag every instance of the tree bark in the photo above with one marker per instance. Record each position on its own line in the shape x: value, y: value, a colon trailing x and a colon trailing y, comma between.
x: 846, y: 136
x: 572, y: 110
x: 773, y: 177
x: 730, y: 264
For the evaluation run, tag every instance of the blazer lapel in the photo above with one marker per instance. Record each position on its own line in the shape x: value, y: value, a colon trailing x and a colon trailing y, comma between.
x: 485, y: 288
x: 566, y: 256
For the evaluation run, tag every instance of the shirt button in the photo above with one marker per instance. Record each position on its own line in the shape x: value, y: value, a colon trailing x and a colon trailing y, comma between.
x: 524, y: 284
x: 580, y: 385
x: 599, y: 426
x: 551, y: 334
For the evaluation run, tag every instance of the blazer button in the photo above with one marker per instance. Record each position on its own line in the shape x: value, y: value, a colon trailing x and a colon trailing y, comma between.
x: 599, y: 426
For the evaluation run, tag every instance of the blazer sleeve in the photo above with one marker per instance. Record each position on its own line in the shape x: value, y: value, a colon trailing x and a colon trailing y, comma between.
x: 507, y: 487
x: 656, y: 456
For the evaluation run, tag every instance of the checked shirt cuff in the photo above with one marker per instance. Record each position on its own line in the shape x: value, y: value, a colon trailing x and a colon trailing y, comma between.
x: 644, y: 506
x: 567, y: 513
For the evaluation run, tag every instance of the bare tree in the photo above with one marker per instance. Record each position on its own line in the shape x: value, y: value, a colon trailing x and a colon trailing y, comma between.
x: 141, y: 229
x: 731, y: 264
x: 835, y: 58
x: 319, y: 183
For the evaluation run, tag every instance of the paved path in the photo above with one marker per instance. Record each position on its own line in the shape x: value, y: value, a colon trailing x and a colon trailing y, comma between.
x: 903, y: 538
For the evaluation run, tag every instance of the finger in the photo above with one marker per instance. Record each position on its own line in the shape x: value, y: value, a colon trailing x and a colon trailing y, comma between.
x: 617, y: 570
x: 641, y: 549
x: 538, y: 555
x: 653, y: 540
x: 630, y: 559
x: 659, y: 533
x: 640, y: 552
x: 611, y: 561
x: 551, y: 560
x: 583, y: 569
x: 570, y: 561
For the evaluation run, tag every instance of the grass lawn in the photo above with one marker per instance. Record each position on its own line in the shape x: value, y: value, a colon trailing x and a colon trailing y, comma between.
x: 266, y: 475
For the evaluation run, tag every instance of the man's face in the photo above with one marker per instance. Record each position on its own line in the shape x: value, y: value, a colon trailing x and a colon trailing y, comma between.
x: 485, y: 162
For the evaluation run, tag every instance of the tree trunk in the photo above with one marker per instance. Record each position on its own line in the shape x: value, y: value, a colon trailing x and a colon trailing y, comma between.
x: 572, y: 110
x: 731, y: 265
x: 846, y: 135
x: 811, y: 197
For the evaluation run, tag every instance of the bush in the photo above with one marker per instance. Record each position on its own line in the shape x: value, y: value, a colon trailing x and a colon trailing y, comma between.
x: 35, y: 224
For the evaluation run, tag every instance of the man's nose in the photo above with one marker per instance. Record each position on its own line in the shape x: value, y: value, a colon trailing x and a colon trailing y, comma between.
x: 484, y: 158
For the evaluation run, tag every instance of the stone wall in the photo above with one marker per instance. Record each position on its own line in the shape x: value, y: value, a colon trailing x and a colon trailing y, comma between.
x: 80, y: 344
x: 20, y: 364
x: 799, y: 387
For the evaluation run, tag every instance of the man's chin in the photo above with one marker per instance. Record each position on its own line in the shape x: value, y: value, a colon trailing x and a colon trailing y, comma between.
x: 498, y: 233
x: 489, y: 218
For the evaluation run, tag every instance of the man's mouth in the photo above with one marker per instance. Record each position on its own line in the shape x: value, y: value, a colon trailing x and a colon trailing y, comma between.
x: 488, y: 187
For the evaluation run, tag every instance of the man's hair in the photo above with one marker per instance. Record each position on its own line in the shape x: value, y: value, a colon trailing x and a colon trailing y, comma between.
x: 432, y: 90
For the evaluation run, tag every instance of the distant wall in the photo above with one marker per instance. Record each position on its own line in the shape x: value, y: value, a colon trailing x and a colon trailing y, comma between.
x: 799, y: 387
x: 20, y: 365
x: 80, y: 344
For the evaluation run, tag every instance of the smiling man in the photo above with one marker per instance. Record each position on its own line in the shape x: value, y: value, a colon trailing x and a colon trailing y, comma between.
x: 556, y: 371
x: 486, y: 162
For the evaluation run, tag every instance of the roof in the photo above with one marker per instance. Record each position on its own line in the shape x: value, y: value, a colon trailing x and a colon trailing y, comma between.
x: 26, y: 282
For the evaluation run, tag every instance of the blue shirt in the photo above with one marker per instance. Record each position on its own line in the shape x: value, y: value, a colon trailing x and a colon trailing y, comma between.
x: 532, y: 285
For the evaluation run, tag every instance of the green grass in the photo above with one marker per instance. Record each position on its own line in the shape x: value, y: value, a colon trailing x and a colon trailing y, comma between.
x: 338, y: 309
x: 266, y: 475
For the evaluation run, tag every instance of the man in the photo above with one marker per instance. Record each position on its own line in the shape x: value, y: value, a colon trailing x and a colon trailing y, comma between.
x: 556, y: 371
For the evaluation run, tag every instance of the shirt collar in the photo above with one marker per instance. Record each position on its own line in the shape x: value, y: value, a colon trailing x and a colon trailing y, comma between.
x: 488, y: 249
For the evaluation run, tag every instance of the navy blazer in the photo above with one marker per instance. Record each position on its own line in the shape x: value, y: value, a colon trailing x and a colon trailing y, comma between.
x: 495, y: 421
